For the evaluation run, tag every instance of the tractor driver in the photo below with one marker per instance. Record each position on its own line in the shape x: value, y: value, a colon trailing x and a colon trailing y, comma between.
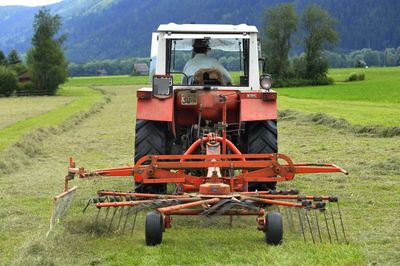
x: 200, y: 60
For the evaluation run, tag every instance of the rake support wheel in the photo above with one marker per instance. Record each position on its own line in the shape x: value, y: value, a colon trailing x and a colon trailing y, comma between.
x: 151, y: 138
x: 154, y: 228
x: 262, y: 137
x: 273, y: 228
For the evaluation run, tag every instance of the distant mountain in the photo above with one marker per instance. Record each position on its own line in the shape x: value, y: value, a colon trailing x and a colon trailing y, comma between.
x: 110, y: 29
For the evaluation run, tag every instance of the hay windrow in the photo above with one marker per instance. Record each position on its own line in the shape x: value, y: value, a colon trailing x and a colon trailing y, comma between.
x: 341, y: 124
x: 20, y: 153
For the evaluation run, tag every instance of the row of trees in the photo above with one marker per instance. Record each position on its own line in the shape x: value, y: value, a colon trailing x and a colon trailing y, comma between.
x: 10, y: 67
x: 111, y: 67
x: 318, y: 31
x: 366, y: 56
x: 45, y: 62
x: 13, y: 61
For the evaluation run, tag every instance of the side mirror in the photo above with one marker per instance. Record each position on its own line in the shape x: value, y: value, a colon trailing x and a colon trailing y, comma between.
x: 162, y: 86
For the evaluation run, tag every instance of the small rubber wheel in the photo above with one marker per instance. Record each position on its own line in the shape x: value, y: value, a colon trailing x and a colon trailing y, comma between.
x: 154, y: 228
x: 274, y: 228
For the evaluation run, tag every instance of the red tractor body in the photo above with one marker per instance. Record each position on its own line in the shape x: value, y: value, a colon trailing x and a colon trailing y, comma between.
x: 183, y: 108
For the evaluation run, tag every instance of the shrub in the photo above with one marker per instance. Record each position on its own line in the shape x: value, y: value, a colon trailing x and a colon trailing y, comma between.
x: 25, y: 89
x: 8, y: 81
x: 356, y: 76
x: 321, y: 81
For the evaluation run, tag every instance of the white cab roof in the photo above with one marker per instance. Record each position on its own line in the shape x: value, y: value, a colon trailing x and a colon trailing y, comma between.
x: 209, y: 28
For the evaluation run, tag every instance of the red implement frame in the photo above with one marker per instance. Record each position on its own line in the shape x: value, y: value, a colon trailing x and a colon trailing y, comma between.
x: 170, y: 169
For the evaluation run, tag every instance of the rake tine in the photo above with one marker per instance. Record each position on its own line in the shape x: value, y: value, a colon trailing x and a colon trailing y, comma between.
x: 120, y: 217
x: 134, y: 222
x: 107, y: 211
x: 341, y: 222
x: 87, y: 205
x: 333, y: 221
x: 287, y: 215
x: 309, y: 225
x: 317, y: 223
x: 301, y: 226
x: 112, y: 218
x: 97, y: 215
x: 290, y: 218
x: 126, y: 219
x: 327, y: 227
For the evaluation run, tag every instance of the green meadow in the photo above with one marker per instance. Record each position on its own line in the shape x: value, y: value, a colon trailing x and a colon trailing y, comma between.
x: 374, y: 101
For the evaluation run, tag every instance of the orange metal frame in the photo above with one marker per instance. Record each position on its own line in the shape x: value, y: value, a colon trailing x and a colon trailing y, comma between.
x: 171, y: 169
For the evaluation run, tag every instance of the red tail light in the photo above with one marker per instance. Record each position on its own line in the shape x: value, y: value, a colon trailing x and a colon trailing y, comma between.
x: 269, y: 96
x: 144, y: 94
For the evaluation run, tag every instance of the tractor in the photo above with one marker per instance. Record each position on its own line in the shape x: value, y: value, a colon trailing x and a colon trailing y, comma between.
x: 206, y: 140
x: 191, y: 107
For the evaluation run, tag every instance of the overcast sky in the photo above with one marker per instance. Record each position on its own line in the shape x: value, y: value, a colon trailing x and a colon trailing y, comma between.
x: 27, y: 2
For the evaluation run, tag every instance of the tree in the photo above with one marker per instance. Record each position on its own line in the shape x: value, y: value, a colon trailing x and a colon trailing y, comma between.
x: 15, y: 63
x: 371, y: 57
x: 320, y: 30
x: 46, y: 59
x: 3, y: 59
x: 8, y: 81
x: 280, y: 23
x: 13, y: 57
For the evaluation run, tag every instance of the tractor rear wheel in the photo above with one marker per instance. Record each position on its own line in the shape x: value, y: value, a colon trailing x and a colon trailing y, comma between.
x: 262, y: 137
x: 151, y: 139
x: 274, y: 228
x: 154, y: 228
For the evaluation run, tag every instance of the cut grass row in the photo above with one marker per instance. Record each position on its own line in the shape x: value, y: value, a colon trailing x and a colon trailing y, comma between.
x: 375, y: 101
x: 357, y: 113
x: 77, y: 99
x: 15, y: 109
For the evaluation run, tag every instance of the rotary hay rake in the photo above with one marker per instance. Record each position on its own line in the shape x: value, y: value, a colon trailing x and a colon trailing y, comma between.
x: 222, y: 192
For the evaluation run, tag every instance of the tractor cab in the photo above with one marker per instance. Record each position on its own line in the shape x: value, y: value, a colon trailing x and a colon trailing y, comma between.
x: 202, y: 56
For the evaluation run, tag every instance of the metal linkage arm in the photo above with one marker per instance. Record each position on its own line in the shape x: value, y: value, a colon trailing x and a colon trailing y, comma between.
x: 309, y: 168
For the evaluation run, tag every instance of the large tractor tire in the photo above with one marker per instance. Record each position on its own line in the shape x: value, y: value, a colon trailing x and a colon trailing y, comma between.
x: 262, y: 137
x: 151, y: 139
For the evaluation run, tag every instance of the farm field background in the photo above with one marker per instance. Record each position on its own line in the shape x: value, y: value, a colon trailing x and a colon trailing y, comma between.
x: 369, y: 195
x: 374, y: 101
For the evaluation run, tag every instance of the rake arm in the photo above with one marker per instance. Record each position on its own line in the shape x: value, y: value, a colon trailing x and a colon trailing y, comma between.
x: 153, y: 169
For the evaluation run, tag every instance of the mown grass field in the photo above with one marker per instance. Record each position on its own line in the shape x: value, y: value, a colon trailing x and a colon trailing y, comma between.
x: 21, y: 116
x: 370, y: 198
x: 375, y: 101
